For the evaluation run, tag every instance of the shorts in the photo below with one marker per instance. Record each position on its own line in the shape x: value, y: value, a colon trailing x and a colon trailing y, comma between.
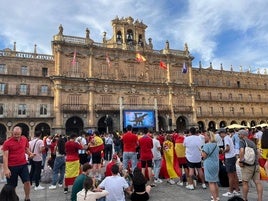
x: 148, y: 162
x: 264, y: 153
x: 139, y: 197
x: 21, y: 171
x: 230, y: 164
x: 194, y: 165
x: 250, y: 172
x: 182, y: 162
x: 83, y: 158
x: 96, y: 158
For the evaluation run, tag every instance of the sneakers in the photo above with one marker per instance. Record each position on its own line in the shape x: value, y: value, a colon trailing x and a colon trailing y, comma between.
x: 158, y: 181
x: 204, y: 186
x: 65, y: 190
x: 170, y: 181
x: 180, y: 183
x: 236, y: 193
x: 39, y: 188
x: 60, y: 185
x: 228, y: 194
x: 217, y: 199
x: 152, y: 185
x: 190, y: 187
x: 52, y: 187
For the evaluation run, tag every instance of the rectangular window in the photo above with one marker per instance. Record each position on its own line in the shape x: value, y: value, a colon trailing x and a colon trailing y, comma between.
x: 22, y: 109
x: 230, y: 96
x: 44, y: 72
x: 222, y: 110
x: 24, y: 70
x: 250, y: 97
x: 240, y: 96
x: 23, y: 88
x: 252, y: 110
x: 220, y: 96
x: 1, y: 109
x: 2, y: 88
x: 43, y: 109
x: 211, y: 110
x: 3, y: 69
x: 133, y: 100
x: 238, y: 84
x: 232, y: 110
x: 242, y: 110
x: 44, y: 89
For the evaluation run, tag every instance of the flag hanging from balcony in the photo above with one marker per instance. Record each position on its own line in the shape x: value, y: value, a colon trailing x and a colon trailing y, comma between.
x: 140, y: 58
x: 108, y: 60
x: 184, y: 68
x: 74, y: 58
x: 163, y: 65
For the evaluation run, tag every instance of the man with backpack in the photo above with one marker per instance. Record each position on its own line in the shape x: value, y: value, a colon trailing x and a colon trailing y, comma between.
x: 249, y: 170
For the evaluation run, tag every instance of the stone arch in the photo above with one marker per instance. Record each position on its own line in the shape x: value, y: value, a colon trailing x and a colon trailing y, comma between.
x: 181, y: 123
x: 162, y: 123
x: 105, y: 124
x: 212, y: 125
x: 253, y: 123
x: 223, y: 124
x: 3, y: 131
x: 44, y: 128
x: 74, y: 125
x: 201, y: 125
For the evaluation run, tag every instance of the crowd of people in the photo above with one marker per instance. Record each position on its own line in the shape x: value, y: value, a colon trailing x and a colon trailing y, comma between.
x: 134, y: 162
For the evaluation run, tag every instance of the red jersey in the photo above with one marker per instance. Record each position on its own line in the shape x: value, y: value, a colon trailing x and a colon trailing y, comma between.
x: 108, y: 171
x: 16, y: 150
x: 71, y: 149
x: 146, y: 145
x: 130, y: 142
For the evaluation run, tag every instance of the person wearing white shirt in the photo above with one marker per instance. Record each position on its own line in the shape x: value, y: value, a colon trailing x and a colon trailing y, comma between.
x: 115, y: 185
x: 230, y: 164
x: 193, y: 144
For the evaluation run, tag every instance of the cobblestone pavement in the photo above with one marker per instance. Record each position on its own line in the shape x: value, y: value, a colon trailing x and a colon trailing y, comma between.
x: 162, y: 192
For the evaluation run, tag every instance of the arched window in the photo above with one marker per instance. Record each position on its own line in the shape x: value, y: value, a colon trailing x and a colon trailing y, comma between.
x: 140, y: 42
x: 129, y: 37
x: 119, y: 37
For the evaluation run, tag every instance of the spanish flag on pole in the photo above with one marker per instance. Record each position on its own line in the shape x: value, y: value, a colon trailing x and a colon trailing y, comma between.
x: 163, y: 65
x: 140, y: 58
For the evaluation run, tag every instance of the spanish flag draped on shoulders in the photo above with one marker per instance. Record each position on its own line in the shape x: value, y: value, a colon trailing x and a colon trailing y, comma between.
x: 170, y: 167
x: 96, y: 143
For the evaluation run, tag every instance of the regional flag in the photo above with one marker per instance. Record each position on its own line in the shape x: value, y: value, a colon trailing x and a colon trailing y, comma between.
x: 184, y: 68
x: 140, y: 58
x: 163, y: 65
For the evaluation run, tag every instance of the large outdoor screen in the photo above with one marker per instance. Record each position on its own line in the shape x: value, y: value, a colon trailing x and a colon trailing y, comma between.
x: 139, y: 118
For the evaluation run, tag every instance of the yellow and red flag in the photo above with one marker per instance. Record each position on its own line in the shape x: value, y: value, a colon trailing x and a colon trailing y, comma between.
x: 140, y: 58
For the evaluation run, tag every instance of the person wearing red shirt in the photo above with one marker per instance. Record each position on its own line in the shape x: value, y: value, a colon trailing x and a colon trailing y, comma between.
x: 130, y: 143
x: 108, y: 170
x: 72, y: 161
x: 14, y: 160
x: 146, y: 154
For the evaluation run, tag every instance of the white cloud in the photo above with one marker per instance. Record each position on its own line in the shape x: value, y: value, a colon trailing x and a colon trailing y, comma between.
x: 202, y: 24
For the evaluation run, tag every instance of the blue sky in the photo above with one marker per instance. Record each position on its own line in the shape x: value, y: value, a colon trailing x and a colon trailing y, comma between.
x: 218, y: 31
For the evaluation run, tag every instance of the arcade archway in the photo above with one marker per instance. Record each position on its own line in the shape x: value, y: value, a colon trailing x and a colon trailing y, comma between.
x: 43, y: 128
x: 3, y: 132
x: 74, y: 125
x: 25, y: 129
x: 181, y: 124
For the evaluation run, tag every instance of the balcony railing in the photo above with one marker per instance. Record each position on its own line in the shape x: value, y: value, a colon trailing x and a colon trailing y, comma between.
x: 13, y: 91
x: 207, y: 114
x: 77, y: 108
x: 28, y: 114
x: 227, y: 99
x: 182, y: 109
x: 26, y: 55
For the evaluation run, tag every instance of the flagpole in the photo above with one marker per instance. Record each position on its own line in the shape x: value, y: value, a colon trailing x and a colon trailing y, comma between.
x: 156, y: 115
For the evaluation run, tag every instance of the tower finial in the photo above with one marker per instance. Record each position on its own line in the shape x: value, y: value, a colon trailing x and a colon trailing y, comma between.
x: 14, y: 46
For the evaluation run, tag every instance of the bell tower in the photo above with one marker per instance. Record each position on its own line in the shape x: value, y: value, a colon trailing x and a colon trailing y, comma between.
x: 128, y: 34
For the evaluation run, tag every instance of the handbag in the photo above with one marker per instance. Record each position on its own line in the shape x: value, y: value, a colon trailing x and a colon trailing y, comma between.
x: 30, y: 160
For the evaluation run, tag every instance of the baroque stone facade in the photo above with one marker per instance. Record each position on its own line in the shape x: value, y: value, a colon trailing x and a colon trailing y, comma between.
x: 88, y: 85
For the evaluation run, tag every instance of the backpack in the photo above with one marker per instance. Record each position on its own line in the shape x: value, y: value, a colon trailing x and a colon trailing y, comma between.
x: 249, y: 157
